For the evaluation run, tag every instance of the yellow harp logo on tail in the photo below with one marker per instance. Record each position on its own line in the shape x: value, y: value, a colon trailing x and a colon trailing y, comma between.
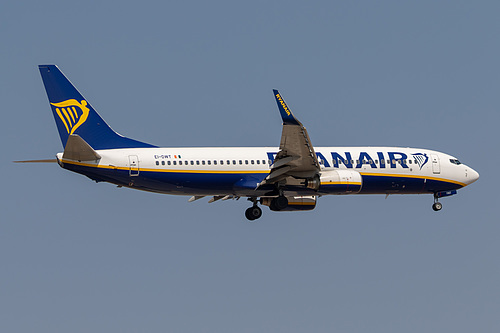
x: 72, y: 113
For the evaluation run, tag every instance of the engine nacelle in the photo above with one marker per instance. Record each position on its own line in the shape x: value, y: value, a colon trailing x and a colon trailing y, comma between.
x: 294, y: 203
x: 340, y: 182
x: 313, y: 183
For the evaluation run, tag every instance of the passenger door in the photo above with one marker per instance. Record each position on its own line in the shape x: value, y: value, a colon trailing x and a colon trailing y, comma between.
x: 436, y: 169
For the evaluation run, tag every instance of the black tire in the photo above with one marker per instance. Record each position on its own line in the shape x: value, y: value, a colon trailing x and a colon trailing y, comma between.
x: 253, y: 213
x: 437, y: 206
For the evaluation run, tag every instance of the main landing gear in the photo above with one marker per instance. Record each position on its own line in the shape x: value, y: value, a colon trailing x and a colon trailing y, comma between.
x: 276, y: 204
x: 437, y: 206
x: 254, y: 212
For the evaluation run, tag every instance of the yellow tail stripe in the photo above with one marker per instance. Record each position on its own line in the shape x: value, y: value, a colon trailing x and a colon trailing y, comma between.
x: 71, y: 114
x: 67, y: 117
x: 62, y: 118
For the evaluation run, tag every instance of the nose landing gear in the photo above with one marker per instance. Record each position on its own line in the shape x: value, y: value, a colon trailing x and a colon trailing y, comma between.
x: 437, y: 206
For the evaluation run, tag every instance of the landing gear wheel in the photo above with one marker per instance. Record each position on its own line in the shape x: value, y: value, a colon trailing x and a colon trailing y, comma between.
x: 437, y: 206
x: 253, y: 213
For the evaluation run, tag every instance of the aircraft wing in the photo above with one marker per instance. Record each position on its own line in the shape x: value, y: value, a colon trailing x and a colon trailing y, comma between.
x: 296, y: 157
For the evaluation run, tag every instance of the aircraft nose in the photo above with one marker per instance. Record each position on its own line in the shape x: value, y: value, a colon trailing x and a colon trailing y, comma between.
x: 472, y: 175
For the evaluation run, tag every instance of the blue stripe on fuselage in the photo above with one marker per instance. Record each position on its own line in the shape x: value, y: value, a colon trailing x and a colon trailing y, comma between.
x: 182, y: 183
x: 374, y: 184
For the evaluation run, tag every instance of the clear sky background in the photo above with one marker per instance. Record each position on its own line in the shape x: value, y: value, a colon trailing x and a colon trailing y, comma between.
x: 76, y: 256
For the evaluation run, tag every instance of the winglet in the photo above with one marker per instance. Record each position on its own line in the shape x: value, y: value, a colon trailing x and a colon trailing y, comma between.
x: 286, y: 114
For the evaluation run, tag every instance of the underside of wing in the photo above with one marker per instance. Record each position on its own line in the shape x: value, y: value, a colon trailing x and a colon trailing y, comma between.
x: 296, y: 159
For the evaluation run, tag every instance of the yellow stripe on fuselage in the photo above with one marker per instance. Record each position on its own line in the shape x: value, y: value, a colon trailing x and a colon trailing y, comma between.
x: 164, y: 170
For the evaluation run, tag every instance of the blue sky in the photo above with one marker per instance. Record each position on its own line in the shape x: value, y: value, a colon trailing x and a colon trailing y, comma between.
x: 78, y: 256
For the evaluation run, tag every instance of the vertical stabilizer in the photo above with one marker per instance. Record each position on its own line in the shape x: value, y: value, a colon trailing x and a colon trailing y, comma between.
x: 74, y: 114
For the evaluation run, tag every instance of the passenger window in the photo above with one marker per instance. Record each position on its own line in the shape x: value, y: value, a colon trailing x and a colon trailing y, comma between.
x: 258, y: 161
x: 192, y: 162
x: 234, y: 161
x: 228, y: 162
x: 168, y: 162
x: 203, y: 162
x: 180, y: 162
x: 162, y: 162
x: 246, y: 161
x: 175, y: 163
x: 197, y: 162
x: 221, y: 162
x: 157, y: 163
x: 252, y: 161
x: 241, y: 162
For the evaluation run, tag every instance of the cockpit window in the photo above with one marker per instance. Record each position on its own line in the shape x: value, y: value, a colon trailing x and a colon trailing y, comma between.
x: 455, y: 161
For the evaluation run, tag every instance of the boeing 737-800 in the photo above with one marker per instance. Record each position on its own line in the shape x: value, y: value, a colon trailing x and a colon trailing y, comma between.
x: 290, y: 177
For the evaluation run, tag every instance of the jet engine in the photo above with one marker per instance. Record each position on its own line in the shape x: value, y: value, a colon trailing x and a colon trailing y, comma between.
x: 290, y: 204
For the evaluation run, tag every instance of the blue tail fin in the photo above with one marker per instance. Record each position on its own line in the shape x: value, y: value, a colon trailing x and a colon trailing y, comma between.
x: 74, y: 115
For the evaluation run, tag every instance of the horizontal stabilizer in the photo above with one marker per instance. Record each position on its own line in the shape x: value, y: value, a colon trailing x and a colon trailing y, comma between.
x: 79, y: 150
x: 53, y: 160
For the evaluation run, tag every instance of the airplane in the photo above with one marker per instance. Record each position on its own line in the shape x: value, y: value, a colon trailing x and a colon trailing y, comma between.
x: 290, y: 177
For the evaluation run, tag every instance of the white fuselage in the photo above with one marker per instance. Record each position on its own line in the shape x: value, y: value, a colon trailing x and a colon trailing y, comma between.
x: 214, y: 171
